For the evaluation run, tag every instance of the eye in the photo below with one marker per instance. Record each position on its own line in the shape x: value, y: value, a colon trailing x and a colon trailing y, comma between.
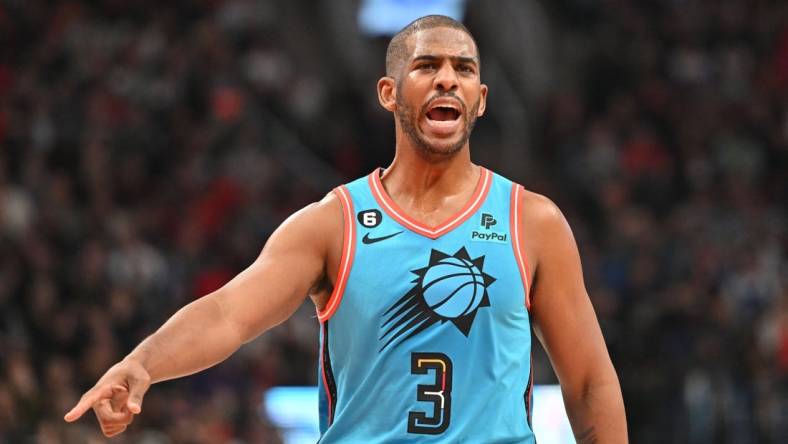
x: 427, y: 65
x: 465, y: 68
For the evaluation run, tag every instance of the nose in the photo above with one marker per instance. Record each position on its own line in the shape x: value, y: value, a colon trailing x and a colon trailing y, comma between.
x: 446, y: 78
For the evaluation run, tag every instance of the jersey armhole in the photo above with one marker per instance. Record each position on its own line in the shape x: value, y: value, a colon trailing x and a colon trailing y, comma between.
x: 348, y: 251
x: 519, y: 252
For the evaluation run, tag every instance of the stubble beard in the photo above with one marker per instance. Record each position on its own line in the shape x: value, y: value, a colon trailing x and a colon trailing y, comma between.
x: 408, y: 121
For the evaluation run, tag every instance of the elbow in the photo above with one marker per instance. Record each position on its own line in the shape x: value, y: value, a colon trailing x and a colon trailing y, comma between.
x: 232, y: 331
x: 604, y: 378
x: 585, y: 388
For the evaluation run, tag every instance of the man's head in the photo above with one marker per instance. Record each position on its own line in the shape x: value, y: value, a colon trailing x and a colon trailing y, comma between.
x: 399, y: 50
x: 432, y: 84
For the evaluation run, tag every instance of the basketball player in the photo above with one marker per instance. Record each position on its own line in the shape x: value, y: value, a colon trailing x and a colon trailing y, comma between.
x: 428, y: 277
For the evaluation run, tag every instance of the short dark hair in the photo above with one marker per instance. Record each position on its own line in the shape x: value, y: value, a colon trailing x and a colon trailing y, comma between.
x: 398, y: 50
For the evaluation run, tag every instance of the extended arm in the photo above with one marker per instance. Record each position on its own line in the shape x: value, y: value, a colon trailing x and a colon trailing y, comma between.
x: 567, y: 326
x: 211, y: 328
x: 208, y: 330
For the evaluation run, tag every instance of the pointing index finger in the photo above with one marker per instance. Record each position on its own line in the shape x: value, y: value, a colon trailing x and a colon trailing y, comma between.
x: 90, y: 397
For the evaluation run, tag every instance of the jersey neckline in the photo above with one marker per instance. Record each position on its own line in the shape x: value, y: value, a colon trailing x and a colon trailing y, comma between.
x: 392, y: 209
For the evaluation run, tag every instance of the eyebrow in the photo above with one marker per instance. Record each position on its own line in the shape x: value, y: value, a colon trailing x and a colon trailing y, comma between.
x: 434, y: 58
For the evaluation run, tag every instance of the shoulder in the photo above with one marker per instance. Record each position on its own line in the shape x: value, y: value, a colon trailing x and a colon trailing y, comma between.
x: 531, y: 207
x: 543, y: 226
x: 329, y: 207
x: 540, y: 211
x: 317, y: 221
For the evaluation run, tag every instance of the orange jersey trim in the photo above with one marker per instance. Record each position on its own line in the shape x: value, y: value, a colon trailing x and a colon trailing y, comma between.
x: 392, y: 209
x: 519, y: 252
x: 348, y: 252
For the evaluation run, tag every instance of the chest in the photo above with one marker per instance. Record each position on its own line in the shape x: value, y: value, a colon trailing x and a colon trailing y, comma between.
x: 402, y: 283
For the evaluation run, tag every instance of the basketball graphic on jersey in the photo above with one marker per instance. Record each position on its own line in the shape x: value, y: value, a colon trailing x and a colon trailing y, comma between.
x: 451, y: 288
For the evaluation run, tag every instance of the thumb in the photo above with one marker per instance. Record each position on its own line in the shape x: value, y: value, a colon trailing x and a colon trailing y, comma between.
x: 137, y: 389
x: 90, y: 397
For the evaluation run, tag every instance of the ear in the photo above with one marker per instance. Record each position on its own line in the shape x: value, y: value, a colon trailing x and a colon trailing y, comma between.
x: 387, y: 93
x: 482, y: 100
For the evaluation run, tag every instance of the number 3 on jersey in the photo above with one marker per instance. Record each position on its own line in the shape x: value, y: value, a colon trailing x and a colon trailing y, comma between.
x: 439, y: 393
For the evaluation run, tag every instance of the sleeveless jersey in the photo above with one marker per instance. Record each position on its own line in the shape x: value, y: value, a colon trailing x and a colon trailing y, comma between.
x: 427, y: 336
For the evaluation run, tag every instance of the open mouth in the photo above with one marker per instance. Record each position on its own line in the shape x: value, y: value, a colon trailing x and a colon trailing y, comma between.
x: 443, y: 117
x: 443, y: 113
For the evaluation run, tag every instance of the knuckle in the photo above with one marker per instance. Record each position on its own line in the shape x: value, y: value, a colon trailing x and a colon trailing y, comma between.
x: 111, y: 431
x: 119, y: 431
x: 140, y: 374
x: 108, y: 417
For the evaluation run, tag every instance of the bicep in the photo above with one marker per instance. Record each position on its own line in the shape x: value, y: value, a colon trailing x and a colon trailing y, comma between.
x: 564, y: 318
x: 274, y: 286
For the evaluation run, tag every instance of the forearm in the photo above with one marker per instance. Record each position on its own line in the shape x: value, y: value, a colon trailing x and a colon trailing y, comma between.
x: 597, y: 413
x: 196, y: 337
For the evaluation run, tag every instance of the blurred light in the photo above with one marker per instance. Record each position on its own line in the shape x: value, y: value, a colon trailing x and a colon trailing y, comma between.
x: 550, y: 422
x: 387, y: 17
x: 294, y: 411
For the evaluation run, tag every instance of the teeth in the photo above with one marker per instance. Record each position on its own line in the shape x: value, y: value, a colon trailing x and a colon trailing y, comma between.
x: 445, y: 104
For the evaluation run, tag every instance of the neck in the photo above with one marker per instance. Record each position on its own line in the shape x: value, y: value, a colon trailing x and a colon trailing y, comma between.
x: 424, y: 180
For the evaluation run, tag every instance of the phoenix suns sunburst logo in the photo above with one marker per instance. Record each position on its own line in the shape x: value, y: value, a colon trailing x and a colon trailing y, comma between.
x: 451, y: 288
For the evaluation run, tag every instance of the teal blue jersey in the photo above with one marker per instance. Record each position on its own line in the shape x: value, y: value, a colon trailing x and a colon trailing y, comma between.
x: 427, y: 335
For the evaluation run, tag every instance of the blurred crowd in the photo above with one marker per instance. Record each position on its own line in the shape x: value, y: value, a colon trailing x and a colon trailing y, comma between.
x: 671, y: 153
x: 142, y: 166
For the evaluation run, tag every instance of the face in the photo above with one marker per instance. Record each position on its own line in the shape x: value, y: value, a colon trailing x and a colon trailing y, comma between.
x: 438, y: 95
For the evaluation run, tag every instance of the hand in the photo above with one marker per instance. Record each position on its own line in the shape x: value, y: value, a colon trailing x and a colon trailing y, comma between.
x: 115, y: 398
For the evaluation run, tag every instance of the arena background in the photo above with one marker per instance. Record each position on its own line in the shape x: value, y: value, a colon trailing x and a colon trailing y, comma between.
x: 148, y: 148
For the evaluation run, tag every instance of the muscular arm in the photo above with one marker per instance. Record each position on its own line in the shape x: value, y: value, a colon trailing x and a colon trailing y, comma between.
x: 208, y: 330
x: 566, y: 324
